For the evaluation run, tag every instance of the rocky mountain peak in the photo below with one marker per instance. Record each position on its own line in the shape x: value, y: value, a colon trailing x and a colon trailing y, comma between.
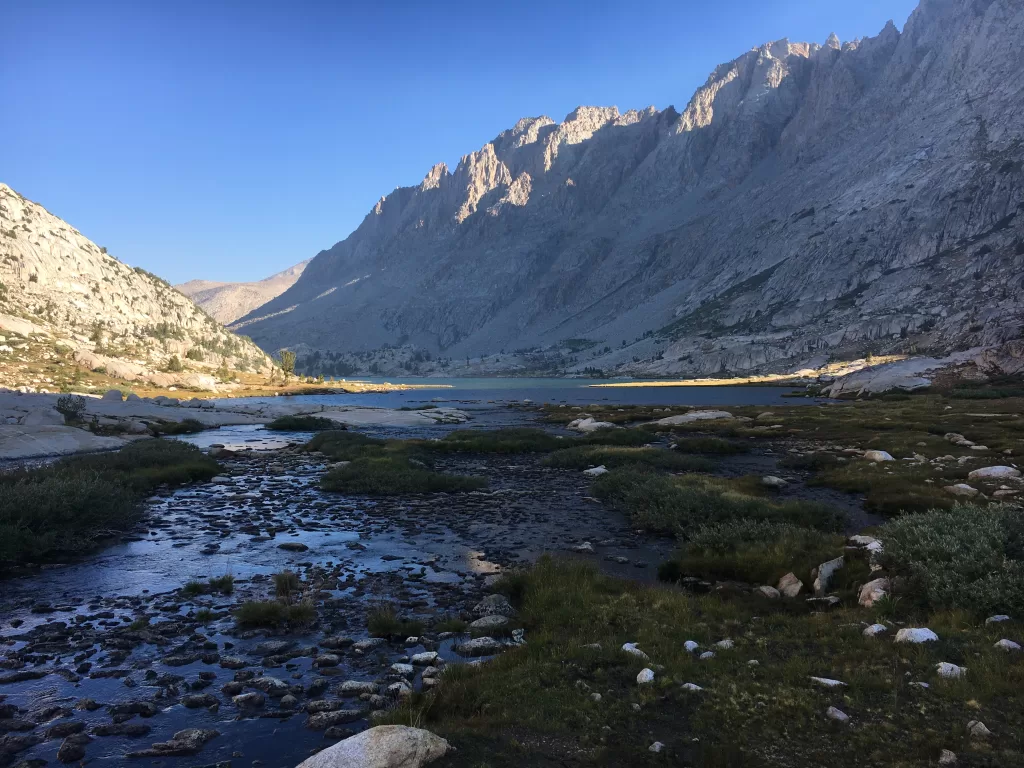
x: 808, y: 200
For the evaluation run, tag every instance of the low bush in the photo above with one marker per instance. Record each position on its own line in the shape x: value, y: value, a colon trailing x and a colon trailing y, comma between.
x: 754, y: 551
x: 341, y: 445
x: 394, y: 475
x: 184, y: 427
x: 611, y: 456
x: 64, y: 508
x: 511, y: 440
x: 679, y: 504
x: 286, y: 583
x: 715, y: 445
x: 384, y: 622
x: 891, y: 488
x: 304, y: 424
x: 969, y: 557
x: 225, y: 585
x: 274, y: 613
x: 71, y: 407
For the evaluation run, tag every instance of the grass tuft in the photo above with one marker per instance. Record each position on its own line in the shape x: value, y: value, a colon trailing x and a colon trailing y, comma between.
x: 395, y: 475
x: 384, y: 622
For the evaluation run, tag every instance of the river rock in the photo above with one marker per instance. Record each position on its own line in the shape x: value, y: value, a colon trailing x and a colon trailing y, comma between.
x: 494, y: 605
x: 356, y: 687
x: 596, y: 471
x: 589, y: 425
x: 489, y: 623
x: 271, y: 686
x: 251, y: 700
x: 198, y: 700
x: 318, y: 721
x: 479, y: 646
x: 183, y: 743
x: 385, y: 746
x: 771, y: 481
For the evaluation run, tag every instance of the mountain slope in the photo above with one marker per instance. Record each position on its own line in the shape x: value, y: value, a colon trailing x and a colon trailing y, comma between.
x: 79, y: 304
x: 810, y: 201
x: 226, y: 302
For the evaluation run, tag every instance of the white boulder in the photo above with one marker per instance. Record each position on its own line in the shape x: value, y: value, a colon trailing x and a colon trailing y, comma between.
x: 994, y: 473
x: 692, y: 416
x: 385, y: 746
x: 916, y: 635
x: 878, y: 456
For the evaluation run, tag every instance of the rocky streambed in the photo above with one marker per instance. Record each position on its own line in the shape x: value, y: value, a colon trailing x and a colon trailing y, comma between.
x: 109, y: 660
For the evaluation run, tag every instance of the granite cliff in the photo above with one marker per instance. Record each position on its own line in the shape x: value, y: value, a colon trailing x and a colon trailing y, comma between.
x: 810, y: 202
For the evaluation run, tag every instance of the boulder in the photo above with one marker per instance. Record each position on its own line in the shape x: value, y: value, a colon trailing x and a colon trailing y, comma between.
x: 978, y: 730
x: 770, y: 592
x: 488, y: 623
x: 878, y: 456
x: 916, y: 635
x: 872, y: 592
x: 994, y: 473
x: 961, y: 489
x: 385, y: 746
x: 825, y: 573
x: 596, y: 471
x: 645, y: 676
x: 113, y: 394
x: 590, y: 425
x: 875, y: 629
x: 771, y: 481
x: 1008, y: 645
x: 480, y: 646
x: 494, y: 605
x: 692, y: 416
x: 837, y: 714
x: 789, y: 585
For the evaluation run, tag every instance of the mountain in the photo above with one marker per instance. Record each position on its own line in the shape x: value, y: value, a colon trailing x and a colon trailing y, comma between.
x: 810, y: 202
x: 66, y: 304
x: 226, y: 302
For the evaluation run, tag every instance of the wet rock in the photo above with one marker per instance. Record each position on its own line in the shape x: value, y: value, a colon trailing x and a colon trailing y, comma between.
x: 369, y: 644
x: 198, y: 700
x: 385, y: 746
x: 596, y: 471
x: 61, y: 730
x: 293, y: 546
x: 327, y: 660
x: 121, y: 729
x: 479, y: 646
x: 271, y: 686
x: 494, y: 605
x: 356, y: 687
x: 72, y: 749
x: 289, y: 702
x: 15, y: 724
x: 251, y: 700
x: 425, y: 659
x: 183, y: 743
x: 233, y: 662
x: 404, y: 670
x: 337, y: 642
x: 318, y: 721
x: 129, y: 708
x: 273, y: 647
x: 489, y: 623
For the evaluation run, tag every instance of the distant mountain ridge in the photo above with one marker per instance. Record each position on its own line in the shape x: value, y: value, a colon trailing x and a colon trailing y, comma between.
x: 811, y: 201
x: 227, y: 302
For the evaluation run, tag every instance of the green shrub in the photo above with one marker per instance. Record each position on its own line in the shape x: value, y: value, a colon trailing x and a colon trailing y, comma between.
x: 223, y: 584
x: 64, y: 508
x: 611, y: 456
x: 511, y: 440
x: 969, y: 557
x: 755, y: 551
x: 341, y: 445
x: 273, y: 613
x: 383, y: 622
x: 681, y: 503
x: 71, y: 407
x: 183, y: 427
x: 304, y: 424
x: 286, y: 583
x: 715, y: 445
x: 174, y: 365
x: 394, y: 475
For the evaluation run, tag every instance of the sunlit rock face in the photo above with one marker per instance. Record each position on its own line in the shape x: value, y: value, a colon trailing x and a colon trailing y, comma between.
x: 809, y: 201
x: 89, y: 310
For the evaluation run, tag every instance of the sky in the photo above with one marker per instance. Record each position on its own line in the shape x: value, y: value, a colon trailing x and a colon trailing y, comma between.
x: 229, y: 140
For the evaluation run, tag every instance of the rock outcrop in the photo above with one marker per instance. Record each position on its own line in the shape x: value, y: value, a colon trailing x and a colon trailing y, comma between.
x: 65, y: 302
x: 809, y: 202
x: 226, y: 302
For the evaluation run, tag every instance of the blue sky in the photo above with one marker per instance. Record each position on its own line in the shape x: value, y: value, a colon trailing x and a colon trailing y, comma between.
x: 229, y: 140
